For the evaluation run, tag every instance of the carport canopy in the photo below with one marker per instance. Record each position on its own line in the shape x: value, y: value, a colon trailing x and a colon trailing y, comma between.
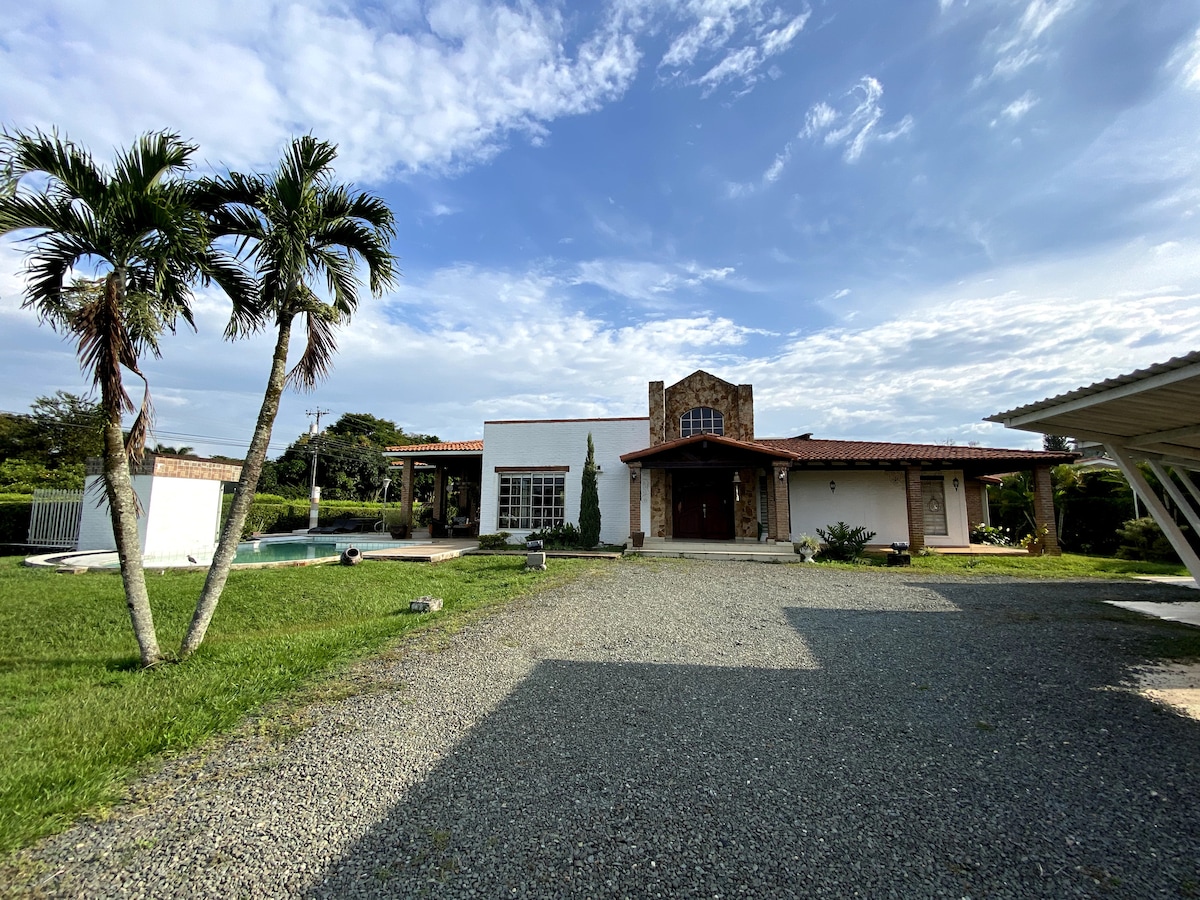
x: 1151, y: 415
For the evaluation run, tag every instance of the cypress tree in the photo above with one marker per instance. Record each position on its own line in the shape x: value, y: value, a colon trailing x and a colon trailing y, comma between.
x: 589, y: 500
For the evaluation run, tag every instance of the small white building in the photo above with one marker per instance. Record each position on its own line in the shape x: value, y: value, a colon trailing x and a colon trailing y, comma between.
x: 180, y: 499
x: 693, y: 469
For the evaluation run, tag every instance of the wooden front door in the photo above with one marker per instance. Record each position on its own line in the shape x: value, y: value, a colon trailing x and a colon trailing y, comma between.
x: 703, y: 504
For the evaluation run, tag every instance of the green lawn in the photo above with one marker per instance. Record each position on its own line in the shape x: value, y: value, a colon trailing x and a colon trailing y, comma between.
x: 78, y: 720
x: 1068, y: 565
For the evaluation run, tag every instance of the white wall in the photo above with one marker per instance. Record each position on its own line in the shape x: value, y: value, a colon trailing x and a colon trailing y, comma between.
x: 95, y: 523
x: 564, y: 443
x: 180, y: 516
x: 875, y: 499
x: 184, y: 515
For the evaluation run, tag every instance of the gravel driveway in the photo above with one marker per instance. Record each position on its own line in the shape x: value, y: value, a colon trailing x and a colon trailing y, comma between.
x: 688, y: 729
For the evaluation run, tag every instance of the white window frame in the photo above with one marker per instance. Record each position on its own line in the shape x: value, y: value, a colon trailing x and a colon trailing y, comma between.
x: 521, y: 500
x: 701, y: 420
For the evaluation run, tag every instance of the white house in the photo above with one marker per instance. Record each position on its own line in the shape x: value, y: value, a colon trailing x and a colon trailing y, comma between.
x: 693, y: 469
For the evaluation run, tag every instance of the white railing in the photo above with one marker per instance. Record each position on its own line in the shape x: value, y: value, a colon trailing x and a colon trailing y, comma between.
x: 54, y: 520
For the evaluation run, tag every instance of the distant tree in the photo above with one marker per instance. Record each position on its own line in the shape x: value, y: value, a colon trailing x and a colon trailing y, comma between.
x: 1056, y: 443
x: 167, y: 450
x: 62, y: 430
x: 589, y: 500
x: 295, y: 226
x: 141, y: 225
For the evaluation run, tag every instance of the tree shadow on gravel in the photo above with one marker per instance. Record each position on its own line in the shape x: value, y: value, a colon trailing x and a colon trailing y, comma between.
x: 982, y: 752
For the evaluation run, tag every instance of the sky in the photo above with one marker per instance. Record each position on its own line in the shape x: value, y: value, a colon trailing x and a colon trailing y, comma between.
x: 892, y: 218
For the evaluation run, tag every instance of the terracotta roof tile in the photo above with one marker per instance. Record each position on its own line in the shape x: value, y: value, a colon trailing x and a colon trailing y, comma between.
x: 754, y: 446
x: 443, y: 447
x: 815, y: 450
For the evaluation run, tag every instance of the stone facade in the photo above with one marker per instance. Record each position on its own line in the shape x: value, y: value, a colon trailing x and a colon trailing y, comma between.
x: 734, y: 401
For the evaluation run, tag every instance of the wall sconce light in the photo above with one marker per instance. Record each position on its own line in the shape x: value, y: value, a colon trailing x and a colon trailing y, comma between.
x: 596, y: 468
x: 832, y: 485
x: 955, y: 483
x: 737, y: 487
x: 783, y: 474
x: 633, y: 474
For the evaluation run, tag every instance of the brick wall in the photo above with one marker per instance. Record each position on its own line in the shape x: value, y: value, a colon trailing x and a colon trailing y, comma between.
x: 176, y: 467
x: 1043, y: 509
x: 976, y: 497
x: 916, y: 509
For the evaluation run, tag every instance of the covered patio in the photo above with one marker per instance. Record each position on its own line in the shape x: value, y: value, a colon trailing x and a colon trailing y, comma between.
x: 457, y: 469
x: 1151, y: 415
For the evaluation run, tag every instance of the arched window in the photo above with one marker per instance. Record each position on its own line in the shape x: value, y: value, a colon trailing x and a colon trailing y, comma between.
x: 701, y: 420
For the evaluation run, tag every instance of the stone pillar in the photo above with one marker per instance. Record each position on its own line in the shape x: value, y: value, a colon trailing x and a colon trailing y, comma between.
x: 635, y: 497
x: 406, y: 492
x: 779, y: 524
x: 745, y: 402
x: 916, y: 509
x: 1043, y: 510
x: 657, y: 410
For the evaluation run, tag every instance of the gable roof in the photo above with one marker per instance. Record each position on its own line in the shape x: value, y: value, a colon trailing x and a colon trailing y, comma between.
x: 718, y: 439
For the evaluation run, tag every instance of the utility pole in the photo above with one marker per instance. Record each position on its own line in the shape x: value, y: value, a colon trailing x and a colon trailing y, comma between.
x: 314, y: 492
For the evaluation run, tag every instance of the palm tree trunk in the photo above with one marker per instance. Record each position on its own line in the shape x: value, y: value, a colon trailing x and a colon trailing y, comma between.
x: 123, y: 505
x: 231, y: 533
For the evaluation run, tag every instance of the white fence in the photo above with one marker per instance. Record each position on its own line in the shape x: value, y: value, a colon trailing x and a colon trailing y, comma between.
x: 54, y: 521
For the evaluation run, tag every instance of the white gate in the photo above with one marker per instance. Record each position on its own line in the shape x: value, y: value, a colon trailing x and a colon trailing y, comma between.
x: 54, y: 520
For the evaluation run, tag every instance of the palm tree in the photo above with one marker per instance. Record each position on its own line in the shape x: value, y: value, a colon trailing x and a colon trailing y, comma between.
x: 140, y: 222
x: 296, y: 226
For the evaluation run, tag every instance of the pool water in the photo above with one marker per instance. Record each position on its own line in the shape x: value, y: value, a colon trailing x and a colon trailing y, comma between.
x: 287, y: 551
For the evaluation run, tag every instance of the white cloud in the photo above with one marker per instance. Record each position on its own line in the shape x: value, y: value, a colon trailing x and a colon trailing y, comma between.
x: 1024, y: 45
x: 404, y: 94
x: 646, y: 282
x: 855, y: 128
x: 1016, y: 110
x: 1187, y: 61
x: 744, y: 34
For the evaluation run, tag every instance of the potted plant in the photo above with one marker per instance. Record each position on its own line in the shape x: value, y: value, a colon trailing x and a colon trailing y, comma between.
x: 806, y: 547
x: 639, y: 539
x: 1035, y: 542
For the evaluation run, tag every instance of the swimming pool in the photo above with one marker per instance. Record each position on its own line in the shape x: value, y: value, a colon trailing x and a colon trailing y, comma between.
x: 282, y: 548
x: 267, y: 551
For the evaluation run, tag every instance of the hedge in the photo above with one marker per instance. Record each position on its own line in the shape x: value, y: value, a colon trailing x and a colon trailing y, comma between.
x: 272, y: 514
x: 15, y: 510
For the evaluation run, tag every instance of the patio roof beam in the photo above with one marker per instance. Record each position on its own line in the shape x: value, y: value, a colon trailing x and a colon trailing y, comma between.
x: 1172, y: 488
x: 1156, y: 508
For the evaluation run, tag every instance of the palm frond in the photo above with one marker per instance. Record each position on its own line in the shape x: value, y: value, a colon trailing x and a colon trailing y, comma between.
x: 316, y: 362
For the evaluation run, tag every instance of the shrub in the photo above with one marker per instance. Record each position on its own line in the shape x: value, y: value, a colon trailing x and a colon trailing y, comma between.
x: 997, y: 536
x: 497, y: 541
x: 843, y: 542
x: 559, y: 537
x: 1143, y: 539
x: 589, y: 500
x: 14, y: 518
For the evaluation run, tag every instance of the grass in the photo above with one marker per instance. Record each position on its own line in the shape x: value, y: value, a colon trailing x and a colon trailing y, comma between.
x: 78, y: 720
x: 1069, y: 565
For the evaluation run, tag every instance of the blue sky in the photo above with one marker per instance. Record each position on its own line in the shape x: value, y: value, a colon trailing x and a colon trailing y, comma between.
x: 892, y: 218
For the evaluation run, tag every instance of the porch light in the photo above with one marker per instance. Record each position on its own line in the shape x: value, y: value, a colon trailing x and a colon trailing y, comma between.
x: 783, y: 474
x: 955, y: 482
x: 832, y: 485
x: 633, y: 474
